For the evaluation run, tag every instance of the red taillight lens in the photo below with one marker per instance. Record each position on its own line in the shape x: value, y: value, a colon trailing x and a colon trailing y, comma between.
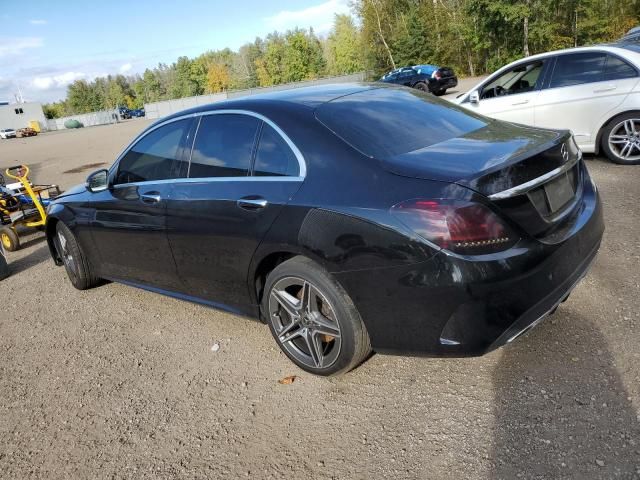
x: 438, y: 75
x: 459, y: 226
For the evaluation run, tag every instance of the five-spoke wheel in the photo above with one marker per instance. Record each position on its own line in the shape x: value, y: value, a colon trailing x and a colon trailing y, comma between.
x: 622, y: 139
x: 305, y: 322
x: 313, y: 319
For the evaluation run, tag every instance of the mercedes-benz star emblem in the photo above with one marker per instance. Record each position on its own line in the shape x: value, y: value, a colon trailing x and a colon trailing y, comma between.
x: 564, y: 152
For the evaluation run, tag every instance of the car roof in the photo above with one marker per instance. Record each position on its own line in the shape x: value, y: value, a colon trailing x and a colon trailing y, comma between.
x: 304, y: 98
x: 611, y: 47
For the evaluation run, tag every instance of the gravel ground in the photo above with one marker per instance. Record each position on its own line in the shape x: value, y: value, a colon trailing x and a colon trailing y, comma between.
x: 117, y: 382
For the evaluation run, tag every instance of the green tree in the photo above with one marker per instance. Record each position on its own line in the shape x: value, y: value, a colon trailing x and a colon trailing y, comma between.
x: 343, y: 47
x: 269, y: 67
x: 182, y: 84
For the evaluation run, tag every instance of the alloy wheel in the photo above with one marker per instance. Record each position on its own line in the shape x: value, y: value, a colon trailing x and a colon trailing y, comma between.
x: 305, y: 322
x: 624, y: 139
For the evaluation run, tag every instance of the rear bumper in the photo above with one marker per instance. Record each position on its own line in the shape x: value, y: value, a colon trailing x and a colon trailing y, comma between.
x: 445, y: 83
x: 460, y: 306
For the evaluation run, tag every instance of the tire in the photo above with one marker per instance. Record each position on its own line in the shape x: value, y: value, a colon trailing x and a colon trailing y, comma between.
x: 4, y: 268
x: 620, y: 139
x: 422, y: 87
x: 324, y: 336
x: 10, y: 239
x: 75, y: 261
x: 439, y: 93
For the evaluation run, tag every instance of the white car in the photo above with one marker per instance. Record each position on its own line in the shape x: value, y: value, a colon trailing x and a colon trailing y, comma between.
x: 593, y: 91
x: 7, y: 133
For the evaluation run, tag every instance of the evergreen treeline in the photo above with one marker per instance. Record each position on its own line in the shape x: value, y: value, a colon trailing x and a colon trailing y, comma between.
x: 472, y: 36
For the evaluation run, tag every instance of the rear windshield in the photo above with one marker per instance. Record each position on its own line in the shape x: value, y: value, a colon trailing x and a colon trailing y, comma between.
x: 385, y: 122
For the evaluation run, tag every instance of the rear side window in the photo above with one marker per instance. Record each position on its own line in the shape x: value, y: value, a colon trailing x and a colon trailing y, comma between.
x: 273, y: 156
x: 154, y: 156
x: 578, y: 68
x: 224, y: 146
x: 618, y: 69
x: 385, y: 122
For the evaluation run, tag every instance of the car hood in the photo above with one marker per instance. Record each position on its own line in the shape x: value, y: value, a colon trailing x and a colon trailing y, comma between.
x: 490, y: 159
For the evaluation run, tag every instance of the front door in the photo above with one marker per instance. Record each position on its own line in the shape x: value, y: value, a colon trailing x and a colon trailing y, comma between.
x: 242, y: 173
x: 129, y: 226
x: 511, y: 96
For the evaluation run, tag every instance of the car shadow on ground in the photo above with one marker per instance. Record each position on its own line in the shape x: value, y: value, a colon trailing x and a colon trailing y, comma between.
x: 561, y: 409
x: 38, y: 255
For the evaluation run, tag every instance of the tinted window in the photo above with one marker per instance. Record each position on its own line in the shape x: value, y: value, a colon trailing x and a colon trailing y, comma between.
x: 223, y: 146
x: 274, y: 157
x: 385, y: 122
x: 617, y: 69
x: 154, y: 156
x: 578, y: 68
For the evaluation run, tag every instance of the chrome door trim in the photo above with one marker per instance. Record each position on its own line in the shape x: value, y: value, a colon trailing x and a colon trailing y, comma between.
x: 301, y: 161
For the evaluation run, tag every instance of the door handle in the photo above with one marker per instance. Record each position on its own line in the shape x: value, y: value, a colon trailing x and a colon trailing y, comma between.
x: 150, y: 197
x: 608, y: 88
x: 252, y: 203
x: 524, y: 102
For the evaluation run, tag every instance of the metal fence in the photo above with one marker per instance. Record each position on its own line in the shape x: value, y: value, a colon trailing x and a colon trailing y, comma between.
x: 167, y: 107
x: 86, y: 119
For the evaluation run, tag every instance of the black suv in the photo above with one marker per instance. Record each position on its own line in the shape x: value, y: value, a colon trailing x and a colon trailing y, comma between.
x: 632, y: 36
x: 428, y: 78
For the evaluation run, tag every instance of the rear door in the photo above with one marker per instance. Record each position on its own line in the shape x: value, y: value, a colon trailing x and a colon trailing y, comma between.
x: 242, y: 172
x: 129, y: 219
x: 512, y: 95
x: 582, y: 89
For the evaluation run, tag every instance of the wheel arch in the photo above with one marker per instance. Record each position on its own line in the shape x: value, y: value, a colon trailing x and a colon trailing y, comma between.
x: 57, y: 213
x: 605, y: 124
x: 50, y: 231
x: 262, y: 270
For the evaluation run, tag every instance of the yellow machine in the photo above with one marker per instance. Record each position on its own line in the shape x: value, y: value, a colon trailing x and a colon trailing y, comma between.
x: 22, y: 205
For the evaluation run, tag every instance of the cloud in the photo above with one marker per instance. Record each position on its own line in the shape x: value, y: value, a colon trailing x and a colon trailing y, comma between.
x: 38, y: 22
x: 17, y: 45
x: 320, y: 17
x: 56, y: 81
x: 125, y: 68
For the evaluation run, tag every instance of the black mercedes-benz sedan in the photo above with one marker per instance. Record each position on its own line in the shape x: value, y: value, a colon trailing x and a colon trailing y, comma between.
x: 349, y: 218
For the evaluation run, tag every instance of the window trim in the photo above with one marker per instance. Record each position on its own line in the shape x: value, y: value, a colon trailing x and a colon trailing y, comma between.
x: 301, y: 161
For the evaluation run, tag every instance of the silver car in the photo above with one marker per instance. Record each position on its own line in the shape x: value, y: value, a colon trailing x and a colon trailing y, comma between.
x: 7, y: 133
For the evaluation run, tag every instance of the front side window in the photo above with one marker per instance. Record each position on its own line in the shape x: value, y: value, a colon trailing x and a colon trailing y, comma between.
x: 154, y: 156
x: 273, y: 156
x: 577, y: 69
x: 618, y: 69
x: 520, y: 79
x: 224, y: 146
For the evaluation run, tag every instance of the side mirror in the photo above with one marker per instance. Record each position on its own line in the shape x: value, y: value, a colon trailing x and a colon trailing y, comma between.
x: 474, y: 97
x: 98, y: 181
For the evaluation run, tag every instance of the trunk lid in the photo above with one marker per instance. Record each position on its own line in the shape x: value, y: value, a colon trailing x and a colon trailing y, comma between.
x: 532, y: 175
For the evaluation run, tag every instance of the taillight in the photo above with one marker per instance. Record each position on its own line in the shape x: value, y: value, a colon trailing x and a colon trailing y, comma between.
x: 459, y: 226
x: 437, y: 75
